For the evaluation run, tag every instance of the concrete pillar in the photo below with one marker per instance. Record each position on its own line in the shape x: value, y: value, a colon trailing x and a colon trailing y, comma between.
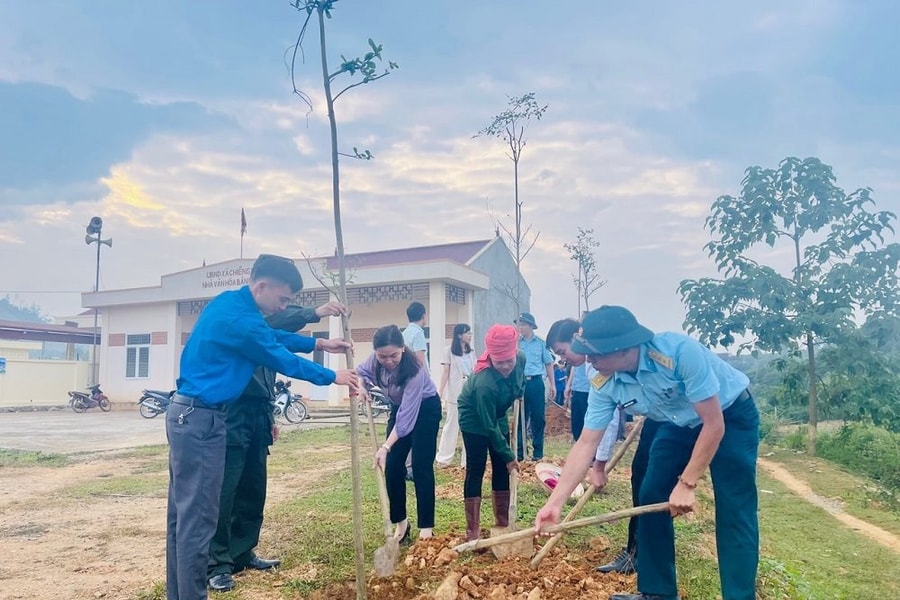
x: 437, y: 321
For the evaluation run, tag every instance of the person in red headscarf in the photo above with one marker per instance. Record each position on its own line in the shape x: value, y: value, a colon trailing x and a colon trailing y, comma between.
x: 483, y: 403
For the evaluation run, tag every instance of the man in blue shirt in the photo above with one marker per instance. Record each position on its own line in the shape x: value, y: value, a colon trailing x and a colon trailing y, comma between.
x: 559, y: 339
x: 708, y: 420
x: 538, y: 364
x: 227, y: 343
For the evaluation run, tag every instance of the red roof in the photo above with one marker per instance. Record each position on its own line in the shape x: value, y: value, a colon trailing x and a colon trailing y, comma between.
x: 461, y: 252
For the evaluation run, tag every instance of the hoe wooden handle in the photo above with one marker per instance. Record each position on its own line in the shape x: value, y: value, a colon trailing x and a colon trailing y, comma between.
x: 584, y: 522
x: 551, y: 543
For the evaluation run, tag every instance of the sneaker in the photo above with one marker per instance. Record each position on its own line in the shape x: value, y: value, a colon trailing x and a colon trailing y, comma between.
x: 623, y: 563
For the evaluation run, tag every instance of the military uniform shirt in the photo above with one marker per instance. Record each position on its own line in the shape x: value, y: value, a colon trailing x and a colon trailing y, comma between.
x: 674, y: 372
x: 537, y: 357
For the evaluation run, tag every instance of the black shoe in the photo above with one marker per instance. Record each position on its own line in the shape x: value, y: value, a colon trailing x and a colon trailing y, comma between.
x: 623, y: 563
x: 641, y: 597
x: 221, y: 582
x: 406, y: 540
x: 262, y: 564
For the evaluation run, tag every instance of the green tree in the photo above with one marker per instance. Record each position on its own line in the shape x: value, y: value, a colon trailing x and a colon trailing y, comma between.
x: 587, y: 279
x: 842, y: 266
x: 510, y: 126
x: 367, y: 68
x: 9, y: 311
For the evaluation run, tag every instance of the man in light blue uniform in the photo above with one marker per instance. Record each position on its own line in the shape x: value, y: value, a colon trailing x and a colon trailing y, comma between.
x: 538, y: 364
x: 559, y: 340
x: 708, y: 419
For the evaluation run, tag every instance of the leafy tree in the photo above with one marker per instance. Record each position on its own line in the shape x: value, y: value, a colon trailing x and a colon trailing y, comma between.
x: 368, y: 68
x: 856, y: 382
x: 587, y: 279
x: 842, y: 266
x: 510, y: 126
x: 10, y: 311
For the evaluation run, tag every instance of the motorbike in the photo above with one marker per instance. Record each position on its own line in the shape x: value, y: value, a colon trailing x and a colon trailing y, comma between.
x: 154, y: 402
x: 81, y: 402
x: 288, y: 405
x: 379, y: 402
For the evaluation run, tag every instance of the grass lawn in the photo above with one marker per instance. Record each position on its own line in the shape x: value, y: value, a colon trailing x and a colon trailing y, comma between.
x: 806, y: 553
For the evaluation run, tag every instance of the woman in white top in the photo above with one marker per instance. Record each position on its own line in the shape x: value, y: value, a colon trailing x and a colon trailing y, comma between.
x: 458, y: 365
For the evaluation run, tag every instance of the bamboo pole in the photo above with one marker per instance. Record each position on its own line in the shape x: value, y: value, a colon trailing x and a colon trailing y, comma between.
x: 584, y: 522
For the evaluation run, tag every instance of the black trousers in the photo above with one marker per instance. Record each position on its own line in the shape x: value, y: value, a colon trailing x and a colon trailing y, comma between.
x: 477, y: 449
x: 242, y: 501
x: 639, y: 464
x: 535, y: 418
x: 579, y: 409
x: 196, y: 467
x: 423, y: 442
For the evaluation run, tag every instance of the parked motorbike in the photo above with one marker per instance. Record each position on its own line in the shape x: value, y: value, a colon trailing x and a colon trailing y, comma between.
x: 288, y: 405
x: 380, y: 404
x: 154, y: 402
x: 81, y: 402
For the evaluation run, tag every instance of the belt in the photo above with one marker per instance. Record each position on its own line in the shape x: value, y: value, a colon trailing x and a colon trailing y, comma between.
x: 745, y: 395
x: 194, y: 402
x: 530, y: 377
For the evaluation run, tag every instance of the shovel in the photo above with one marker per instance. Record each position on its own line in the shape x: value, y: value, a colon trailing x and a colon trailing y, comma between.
x: 521, y: 547
x: 584, y: 522
x: 386, y: 556
x: 551, y: 543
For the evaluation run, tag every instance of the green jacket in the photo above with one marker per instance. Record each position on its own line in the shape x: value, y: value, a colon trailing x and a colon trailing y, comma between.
x: 253, y: 409
x: 484, y: 403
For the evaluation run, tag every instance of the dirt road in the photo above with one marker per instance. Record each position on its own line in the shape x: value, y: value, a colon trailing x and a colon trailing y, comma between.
x: 833, y: 508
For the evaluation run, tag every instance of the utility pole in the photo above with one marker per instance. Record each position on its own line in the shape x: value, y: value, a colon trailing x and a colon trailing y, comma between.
x: 93, y: 229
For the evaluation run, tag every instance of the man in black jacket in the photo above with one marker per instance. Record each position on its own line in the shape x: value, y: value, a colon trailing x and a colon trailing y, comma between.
x: 250, y: 430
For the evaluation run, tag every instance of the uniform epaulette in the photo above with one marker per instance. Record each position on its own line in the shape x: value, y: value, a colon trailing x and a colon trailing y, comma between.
x: 599, y: 380
x: 661, y: 359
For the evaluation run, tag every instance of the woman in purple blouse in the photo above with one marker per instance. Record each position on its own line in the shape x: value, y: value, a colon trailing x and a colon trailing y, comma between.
x: 414, y: 420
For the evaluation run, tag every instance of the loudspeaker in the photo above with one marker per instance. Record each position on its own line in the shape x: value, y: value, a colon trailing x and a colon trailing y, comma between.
x: 95, y: 226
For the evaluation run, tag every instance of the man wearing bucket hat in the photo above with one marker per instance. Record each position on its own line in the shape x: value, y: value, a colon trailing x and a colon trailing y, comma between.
x: 538, y: 364
x: 707, y: 419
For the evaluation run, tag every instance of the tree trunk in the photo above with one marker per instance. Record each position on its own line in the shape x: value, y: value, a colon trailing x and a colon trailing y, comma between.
x: 518, y: 240
x: 355, y: 475
x: 813, y: 408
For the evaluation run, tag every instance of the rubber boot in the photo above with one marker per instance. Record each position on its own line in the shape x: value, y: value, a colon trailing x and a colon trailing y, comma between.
x: 501, y: 508
x: 473, y: 519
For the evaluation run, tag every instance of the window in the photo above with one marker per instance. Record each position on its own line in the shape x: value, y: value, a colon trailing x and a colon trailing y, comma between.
x: 137, y: 356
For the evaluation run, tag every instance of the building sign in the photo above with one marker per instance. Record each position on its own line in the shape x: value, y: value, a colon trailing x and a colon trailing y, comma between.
x: 225, y: 278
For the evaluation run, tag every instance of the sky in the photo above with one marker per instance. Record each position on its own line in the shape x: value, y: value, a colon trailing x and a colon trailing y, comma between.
x: 167, y: 118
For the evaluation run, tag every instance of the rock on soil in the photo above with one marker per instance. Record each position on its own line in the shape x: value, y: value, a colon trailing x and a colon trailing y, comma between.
x: 426, y: 574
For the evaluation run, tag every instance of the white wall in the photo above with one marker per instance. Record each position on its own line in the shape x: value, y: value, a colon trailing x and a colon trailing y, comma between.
x: 42, y: 382
x: 131, y: 320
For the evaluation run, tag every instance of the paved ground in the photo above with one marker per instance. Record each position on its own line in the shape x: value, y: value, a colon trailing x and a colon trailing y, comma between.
x: 63, y: 431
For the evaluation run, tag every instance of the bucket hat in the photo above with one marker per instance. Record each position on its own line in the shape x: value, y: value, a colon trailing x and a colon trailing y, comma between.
x: 609, y: 329
x: 526, y: 318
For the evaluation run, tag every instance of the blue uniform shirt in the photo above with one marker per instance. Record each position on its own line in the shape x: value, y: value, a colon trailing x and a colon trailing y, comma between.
x: 674, y: 372
x: 537, y: 357
x: 580, y: 382
x: 230, y: 340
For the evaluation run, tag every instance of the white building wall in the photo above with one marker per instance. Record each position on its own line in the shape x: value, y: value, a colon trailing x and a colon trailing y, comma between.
x: 132, y: 320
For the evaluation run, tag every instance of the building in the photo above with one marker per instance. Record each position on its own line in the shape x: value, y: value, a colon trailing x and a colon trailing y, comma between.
x: 145, y: 329
x: 39, y: 363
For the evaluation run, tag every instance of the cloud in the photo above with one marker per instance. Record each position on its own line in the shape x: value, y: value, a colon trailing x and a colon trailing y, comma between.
x: 52, y: 138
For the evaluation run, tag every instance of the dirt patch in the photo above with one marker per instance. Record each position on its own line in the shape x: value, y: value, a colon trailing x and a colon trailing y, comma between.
x: 111, y: 546
x: 830, y: 505
x: 428, y: 563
